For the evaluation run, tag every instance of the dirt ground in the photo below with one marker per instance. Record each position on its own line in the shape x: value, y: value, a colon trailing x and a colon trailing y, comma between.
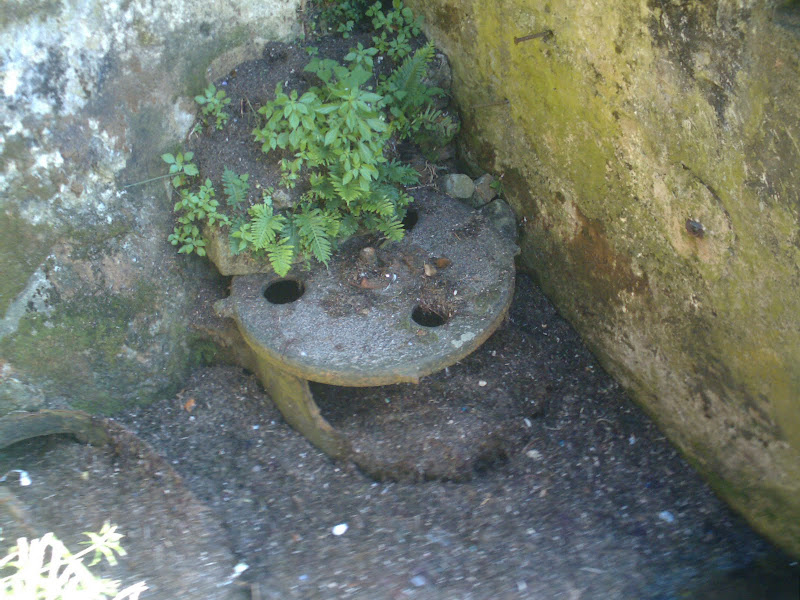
x: 553, y: 485
x: 595, y: 504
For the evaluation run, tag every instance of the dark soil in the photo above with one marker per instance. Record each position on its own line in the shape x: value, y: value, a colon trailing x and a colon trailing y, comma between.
x: 567, y: 490
x: 595, y: 504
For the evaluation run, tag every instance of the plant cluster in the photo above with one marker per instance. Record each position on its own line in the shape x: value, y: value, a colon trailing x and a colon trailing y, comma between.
x: 410, y: 102
x: 213, y: 102
x: 333, y: 138
x: 44, y: 568
x: 195, y: 208
x: 396, y: 29
x: 343, y: 15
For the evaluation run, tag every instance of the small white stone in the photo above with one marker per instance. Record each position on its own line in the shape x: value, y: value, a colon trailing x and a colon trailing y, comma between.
x: 666, y: 516
x: 482, y: 383
x: 339, y: 529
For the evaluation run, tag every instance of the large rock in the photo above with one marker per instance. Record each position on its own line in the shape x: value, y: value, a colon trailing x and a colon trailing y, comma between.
x: 652, y: 150
x: 97, y: 308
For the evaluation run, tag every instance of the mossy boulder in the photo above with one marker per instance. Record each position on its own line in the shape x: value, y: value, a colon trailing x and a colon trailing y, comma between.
x: 651, y: 151
x: 97, y: 310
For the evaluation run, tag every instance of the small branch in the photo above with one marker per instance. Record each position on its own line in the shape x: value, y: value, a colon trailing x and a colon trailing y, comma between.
x: 542, y: 34
x: 147, y: 180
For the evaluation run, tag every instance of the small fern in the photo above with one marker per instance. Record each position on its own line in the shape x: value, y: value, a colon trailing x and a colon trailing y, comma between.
x: 316, y: 228
x: 281, y: 255
x: 408, y: 100
x: 265, y: 225
x: 392, y: 229
x: 235, y: 187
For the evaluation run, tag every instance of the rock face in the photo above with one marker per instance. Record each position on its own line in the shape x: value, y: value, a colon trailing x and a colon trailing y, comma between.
x: 95, y: 304
x: 653, y: 150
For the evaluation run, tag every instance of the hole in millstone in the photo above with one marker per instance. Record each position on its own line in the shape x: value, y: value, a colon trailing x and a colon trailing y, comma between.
x: 426, y: 317
x: 411, y: 218
x: 284, y: 291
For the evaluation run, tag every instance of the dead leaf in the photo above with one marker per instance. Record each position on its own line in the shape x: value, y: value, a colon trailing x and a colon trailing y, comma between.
x: 188, y: 406
x: 443, y: 262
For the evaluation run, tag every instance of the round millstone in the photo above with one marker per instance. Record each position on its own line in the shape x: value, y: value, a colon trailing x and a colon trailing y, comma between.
x: 380, y: 315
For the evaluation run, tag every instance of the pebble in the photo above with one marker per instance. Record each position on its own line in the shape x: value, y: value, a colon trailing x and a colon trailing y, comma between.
x: 482, y: 383
x: 339, y: 529
x: 418, y: 581
x: 667, y: 516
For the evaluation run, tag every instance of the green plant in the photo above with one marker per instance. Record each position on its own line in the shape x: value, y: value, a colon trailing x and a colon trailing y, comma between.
x: 45, y: 569
x: 338, y: 132
x: 362, y: 56
x: 214, y: 102
x: 195, y: 208
x: 180, y: 167
x: 342, y: 15
x: 409, y: 102
x: 332, y: 139
x: 396, y: 27
x: 497, y: 186
x: 235, y: 187
x: 261, y: 234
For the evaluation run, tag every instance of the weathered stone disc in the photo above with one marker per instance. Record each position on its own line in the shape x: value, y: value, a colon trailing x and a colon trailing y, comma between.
x: 377, y: 316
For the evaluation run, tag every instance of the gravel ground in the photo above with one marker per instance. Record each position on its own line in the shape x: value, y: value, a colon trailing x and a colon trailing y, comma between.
x: 595, y: 504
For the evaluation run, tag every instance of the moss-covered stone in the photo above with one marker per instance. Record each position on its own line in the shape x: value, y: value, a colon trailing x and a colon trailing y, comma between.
x: 96, y: 309
x: 653, y: 150
x: 92, y: 351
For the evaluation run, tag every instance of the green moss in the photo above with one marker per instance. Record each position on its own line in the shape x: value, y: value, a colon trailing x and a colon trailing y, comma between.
x: 203, y: 352
x: 88, y: 350
x: 23, y: 247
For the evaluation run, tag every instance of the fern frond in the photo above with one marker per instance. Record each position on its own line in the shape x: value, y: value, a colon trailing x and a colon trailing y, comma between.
x: 281, y: 255
x: 397, y: 172
x: 347, y: 227
x: 380, y: 204
x: 349, y: 191
x: 392, y: 229
x: 264, y: 226
x: 313, y: 229
x: 235, y: 187
x: 405, y: 85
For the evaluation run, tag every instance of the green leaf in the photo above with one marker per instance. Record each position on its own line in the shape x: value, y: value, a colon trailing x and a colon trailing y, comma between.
x: 281, y: 256
x: 264, y: 225
x: 330, y: 136
x: 168, y: 158
x: 235, y: 187
x: 313, y: 231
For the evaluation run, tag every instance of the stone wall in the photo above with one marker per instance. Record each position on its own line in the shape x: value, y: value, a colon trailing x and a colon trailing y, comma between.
x: 652, y: 152
x: 97, y: 309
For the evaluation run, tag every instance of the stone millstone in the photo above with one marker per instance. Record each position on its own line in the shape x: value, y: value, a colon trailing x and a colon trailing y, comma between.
x: 409, y: 310
x: 376, y: 316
